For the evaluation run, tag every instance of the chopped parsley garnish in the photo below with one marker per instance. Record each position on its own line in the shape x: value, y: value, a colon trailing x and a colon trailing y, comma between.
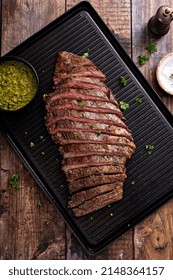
x: 43, y: 153
x: 75, y: 134
x: 133, y: 182
x: 123, y: 80
x: 91, y: 218
x: 138, y: 100
x: 102, y: 174
x: 143, y: 58
x: 92, y: 126
x: 14, y: 181
x: 124, y: 105
x: 98, y: 133
x: 79, y: 99
x: 86, y: 55
x: 31, y: 144
x: 41, y: 137
x: 149, y: 148
x: 152, y: 47
x: 82, y: 104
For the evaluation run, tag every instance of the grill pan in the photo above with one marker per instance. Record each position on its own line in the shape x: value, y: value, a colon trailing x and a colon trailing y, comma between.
x: 149, y: 180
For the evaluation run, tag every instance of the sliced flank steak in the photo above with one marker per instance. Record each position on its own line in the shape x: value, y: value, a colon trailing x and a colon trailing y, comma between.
x: 84, y: 118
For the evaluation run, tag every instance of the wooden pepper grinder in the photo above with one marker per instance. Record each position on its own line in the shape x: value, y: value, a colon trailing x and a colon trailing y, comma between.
x: 159, y: 24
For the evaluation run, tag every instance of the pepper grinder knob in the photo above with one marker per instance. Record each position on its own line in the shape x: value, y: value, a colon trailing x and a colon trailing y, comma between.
x: 159, y: 24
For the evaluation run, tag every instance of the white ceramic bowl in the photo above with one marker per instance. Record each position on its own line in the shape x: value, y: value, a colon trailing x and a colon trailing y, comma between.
x: 164, y: 73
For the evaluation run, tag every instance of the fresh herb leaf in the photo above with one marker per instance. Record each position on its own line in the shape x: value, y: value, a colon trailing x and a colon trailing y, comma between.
x: 92, y: 126
x: 82, y: 104
x: 98, y: 133
x: 14, y: 181
x: 75, y: 134
x: 138, y: 100
x: 152, y: 47
x: 86, y: 55
x: 143, y: 58
x: 124, y: 105
x: 31, y: 144
x: 149, y: 148
x: 123, y: 80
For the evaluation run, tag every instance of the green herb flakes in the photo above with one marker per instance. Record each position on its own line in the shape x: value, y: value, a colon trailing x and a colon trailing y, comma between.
x: 152, y: 47
x: 86, y: 55
x: 17, y: 85
x: 149, y: 149
x: 123, y: 80
x: 43, y: 153
x: 14, y: 182
x: 79, y: 99
x: 82, y: 104
x: 143, y: 58
x: 92, y: 126
x: 31, y: 144
x: 102, y: 174
x: 133, y: 182
x: 98, y: 133
x: 41, y: 137
x: 91, y: 218
x: 138, y: 100
x: 124, y: 105
x: 75, y: 134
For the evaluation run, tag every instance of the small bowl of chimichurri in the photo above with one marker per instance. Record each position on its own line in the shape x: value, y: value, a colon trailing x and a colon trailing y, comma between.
x: 19, y: 83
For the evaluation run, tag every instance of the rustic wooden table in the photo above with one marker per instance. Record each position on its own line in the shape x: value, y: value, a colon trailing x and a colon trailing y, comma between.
x: 30, y: 227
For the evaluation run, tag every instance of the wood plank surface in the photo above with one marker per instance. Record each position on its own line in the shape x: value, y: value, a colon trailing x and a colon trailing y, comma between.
x: 30, y: 227
x: 153, y: 238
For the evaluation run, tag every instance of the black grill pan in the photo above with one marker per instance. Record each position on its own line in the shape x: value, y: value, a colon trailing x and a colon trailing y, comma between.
x: 150, y: 177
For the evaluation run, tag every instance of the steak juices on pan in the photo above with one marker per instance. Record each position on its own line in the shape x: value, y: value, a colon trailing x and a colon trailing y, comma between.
x: 84, y: 118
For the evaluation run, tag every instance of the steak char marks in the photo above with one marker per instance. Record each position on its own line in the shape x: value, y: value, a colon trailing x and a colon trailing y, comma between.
x: 83, y: 116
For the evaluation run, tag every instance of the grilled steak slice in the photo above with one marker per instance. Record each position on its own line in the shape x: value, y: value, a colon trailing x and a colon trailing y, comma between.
x: 81, y: 197
x: 79, y: 71
x: 98, y: 202
x: 83, y: 82
x: 88, y: 137
x: 72, y: 93
x: 106, y: 108
x: 95, y: 180
x: 83, y: 104
x: 80, y: 150
x: 69, y: 125
x: 92, y: 117
x: 74, y: 174
x: 67, y: 60
x: 70, y: 163
x: 83, y: 116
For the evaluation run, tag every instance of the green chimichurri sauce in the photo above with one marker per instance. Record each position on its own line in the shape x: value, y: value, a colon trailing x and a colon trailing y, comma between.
x: 18, y: 85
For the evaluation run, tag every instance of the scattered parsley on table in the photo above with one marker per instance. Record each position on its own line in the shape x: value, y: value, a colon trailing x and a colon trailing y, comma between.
x: 143, y: 58
x: 152, y: 47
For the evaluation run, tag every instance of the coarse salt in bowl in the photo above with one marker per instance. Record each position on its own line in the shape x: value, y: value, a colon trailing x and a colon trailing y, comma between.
x: 164, y: 73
